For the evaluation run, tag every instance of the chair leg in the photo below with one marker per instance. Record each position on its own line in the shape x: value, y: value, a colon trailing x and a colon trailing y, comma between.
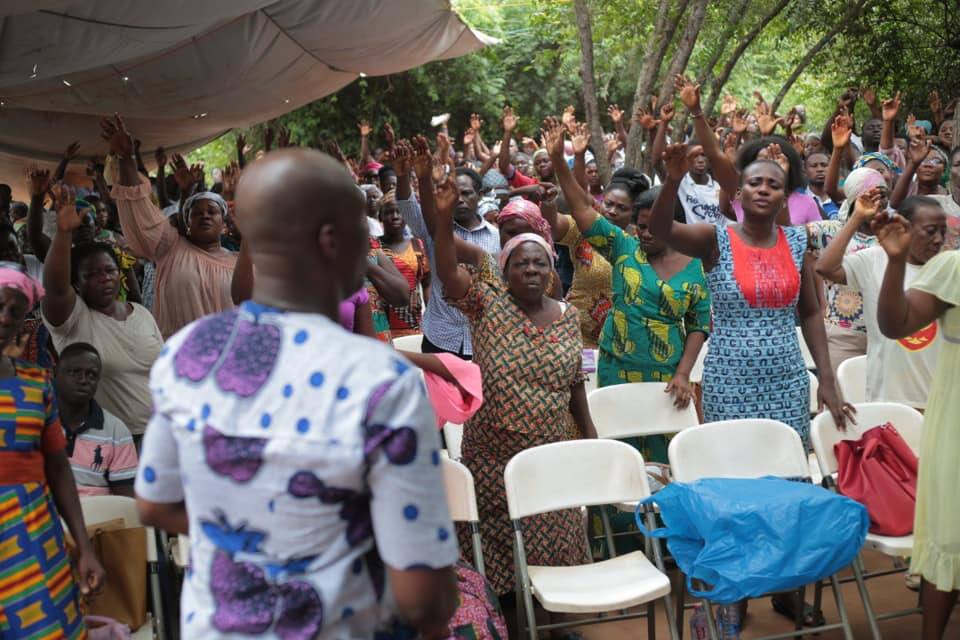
x: 711, y: 622
x: 651, y: 621
x: 157, y: 600
x: 671, y: 623
x: 842, y: 608
x: 865, y: 597
x: 798, y: 611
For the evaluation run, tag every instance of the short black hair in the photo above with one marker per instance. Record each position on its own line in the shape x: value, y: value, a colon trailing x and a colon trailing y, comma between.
x: 83, y: 251
x: 816, y: 153
x: 474, y: 177
x: 385, y: 170
x: 749, y: 152
x: 648, y: 198
x: 909, y: 206
x: 75, y: 348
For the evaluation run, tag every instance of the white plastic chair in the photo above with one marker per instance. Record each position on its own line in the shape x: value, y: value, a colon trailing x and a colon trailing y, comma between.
x: 814, y: 388
x: 824, y: 435
x: 747, y: 449
x: 453, y: 437
x: 696, y: 373
x: 852, y: 378
x: 579, y: 473
x: 462, y: 502
x: 638, y: 409
x: 409, y: 343
x: 805, y: 351
x: 97, y: 509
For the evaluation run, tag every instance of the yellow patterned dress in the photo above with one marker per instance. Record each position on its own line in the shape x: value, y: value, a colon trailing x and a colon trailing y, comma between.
x: 527, y: 375
x: 38, y: 597
x: 591, y: 291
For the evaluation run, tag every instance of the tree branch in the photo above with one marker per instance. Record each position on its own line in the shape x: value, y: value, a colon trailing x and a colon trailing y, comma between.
x: 585, y: 31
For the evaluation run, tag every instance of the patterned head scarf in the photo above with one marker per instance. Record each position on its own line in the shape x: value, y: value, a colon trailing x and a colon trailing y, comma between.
x: 14, y: 276
x: 879, y: 157
x: 516, y: 241
x: 527, y: 211
x: 204, y: 195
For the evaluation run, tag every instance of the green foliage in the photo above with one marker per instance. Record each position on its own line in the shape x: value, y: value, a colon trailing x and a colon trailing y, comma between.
x: 912, y: 45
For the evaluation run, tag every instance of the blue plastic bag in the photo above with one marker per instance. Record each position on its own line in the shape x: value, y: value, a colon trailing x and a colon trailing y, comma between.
x: 747, y: 538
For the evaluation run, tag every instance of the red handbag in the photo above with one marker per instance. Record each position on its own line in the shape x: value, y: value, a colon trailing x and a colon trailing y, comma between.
x: 880, y: 472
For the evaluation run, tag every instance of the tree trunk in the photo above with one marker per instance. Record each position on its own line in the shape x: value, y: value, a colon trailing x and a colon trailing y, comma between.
x: 827, y: 38
x: 734, y: 58
x: 660, y: 39
x: 684, y: 48
x: 585, y: 31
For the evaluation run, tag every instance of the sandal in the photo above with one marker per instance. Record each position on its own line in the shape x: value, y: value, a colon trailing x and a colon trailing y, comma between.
x: 784, y: 605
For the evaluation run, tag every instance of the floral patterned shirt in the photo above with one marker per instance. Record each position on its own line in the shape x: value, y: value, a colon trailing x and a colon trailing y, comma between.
x: 844, y: 305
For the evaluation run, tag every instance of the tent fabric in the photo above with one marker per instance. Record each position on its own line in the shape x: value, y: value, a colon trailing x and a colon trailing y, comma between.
x: 182, y: 72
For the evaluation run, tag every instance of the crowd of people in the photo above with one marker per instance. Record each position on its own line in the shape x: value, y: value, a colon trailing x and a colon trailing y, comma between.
x: 223, y: 344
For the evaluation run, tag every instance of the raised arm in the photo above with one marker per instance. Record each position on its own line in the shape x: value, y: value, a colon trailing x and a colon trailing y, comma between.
x: 68, y: 154
x: 840, y: 131
x: 580, y: 140
x: 695, y: 240
x: 60, y: 297
x: 660, y: 139
x: 901, y: 313
x: 723, y: 170
x: 39, y: 182
x: 559, y: 225
x: 919, y: 148
x: 365, y: 156
x: 829, y: 265
x: 889, y: 113
x: 145, y: 228
x: 455, y: 279
x: 509, y: 121
x: 241, y: 143
x: 616, y: 116
x: 422, y: 162
x: 579, y: 201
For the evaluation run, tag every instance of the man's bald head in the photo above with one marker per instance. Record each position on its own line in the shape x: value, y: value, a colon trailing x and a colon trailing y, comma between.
x: 303, y: 217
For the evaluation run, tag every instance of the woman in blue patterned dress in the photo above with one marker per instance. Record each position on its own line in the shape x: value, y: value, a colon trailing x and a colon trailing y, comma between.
x: 759, y: 279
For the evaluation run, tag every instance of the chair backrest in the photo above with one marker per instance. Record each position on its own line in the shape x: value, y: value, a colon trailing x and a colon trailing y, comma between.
x: 805, y: 351
x: 409, y: 343
x: 814, y: 387
x: 453, y: 437
x: 97, y: 509
x: 852, y: 378
x: 638, y: 409
x: 824, y: 433
x: 461, y: 494
x: 574, y: 473
x: 696, y: 373
x: 738, y: 449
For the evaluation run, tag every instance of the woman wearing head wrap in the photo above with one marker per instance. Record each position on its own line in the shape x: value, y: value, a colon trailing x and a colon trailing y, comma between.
x: 928, y: 163
x: 193, y: 270
x: 82, y: 305
x: 529, y: 351
x: 37, y: 489
x: 843, y: 318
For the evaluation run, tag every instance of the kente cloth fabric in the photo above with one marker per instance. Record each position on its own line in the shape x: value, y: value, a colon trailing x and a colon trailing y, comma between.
x: 754, y: 367
x: 310, y: 459
x: 65, y: 64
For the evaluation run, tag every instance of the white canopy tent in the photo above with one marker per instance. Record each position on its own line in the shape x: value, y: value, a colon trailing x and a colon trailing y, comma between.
x: 182, y: 72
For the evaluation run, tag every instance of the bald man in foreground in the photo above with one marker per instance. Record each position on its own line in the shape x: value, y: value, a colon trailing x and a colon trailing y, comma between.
x: 303, y: 460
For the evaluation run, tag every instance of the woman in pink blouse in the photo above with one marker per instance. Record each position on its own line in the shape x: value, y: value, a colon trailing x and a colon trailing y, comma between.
x: 193, y: 271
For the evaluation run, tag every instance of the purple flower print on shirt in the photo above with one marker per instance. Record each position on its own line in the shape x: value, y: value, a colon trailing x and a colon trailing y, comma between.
x: 236, y: 458
x: 355, y: 507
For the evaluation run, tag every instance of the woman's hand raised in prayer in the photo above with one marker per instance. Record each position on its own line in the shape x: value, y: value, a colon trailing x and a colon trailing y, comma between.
x: 580, y: 139
x: 116, y: 134
x: 689, y: 93
x: 840, y: 129
x: 676, y: 160
x: 65, y: 203
x: 552, y: 133
x: 894, y: 234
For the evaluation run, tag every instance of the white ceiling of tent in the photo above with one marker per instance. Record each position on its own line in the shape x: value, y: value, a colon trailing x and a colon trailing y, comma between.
x: 182, y: 72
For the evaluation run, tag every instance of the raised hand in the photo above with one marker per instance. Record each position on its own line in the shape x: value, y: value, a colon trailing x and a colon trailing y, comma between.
x: 894, y: 234
x: 71, y: 151
x: 241, y: 144
x: 798, y: 143
x: 936, y: 106
x: 268, y: 135
x: 667, y: 112
x: 196, y: 172
x: 913, y: 131
x: 688, y: 91
x: 334, y: 150
x: 869, y: 96
x: 469, y: 137
x: 389, y: 137
x: 868, y: 204
x: 160, y: 155
x: 645, y: 119
x: 729, y: 105
x: 38, y: 181
x: 612, y: 143
x: 365, y: 129
x: 580, y: 138
x: 422, y: 158
x: 767, y: 122
x: 775, y: 153
x: 761, y: 106
x: 508, y: 119
x: 552, y: 134
x: 840, y: 129
x: 739, y: 122
x: 116, y: 134
x: 918, y: 149
x: 569, y: 118
x: 475, y: 121
x: 65, y: 202
x: 676, y: 160
x: 231, y: 175
x: 445, y: 195
x: 283, y: 138
x: 890, y: 108
x: 181, y: 173
x: 443, y: 147
x: 402, y: 158
x: 615, y: 113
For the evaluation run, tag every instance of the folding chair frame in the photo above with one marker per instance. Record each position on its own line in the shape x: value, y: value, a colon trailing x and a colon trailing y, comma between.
x: 526, y: 618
